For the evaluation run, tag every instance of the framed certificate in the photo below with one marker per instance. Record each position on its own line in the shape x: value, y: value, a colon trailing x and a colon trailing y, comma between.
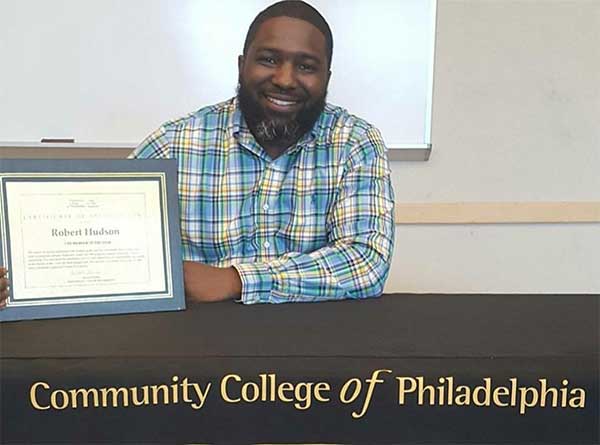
x: 89, y: 237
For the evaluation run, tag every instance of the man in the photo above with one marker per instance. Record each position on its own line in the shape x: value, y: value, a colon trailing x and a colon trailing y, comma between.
x: 283, y: 197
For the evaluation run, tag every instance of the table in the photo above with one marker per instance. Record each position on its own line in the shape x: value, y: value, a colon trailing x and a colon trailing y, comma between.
x: 383, y: 344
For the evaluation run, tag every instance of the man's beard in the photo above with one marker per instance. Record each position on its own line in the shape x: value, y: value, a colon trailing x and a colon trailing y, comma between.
x: 277, y: 130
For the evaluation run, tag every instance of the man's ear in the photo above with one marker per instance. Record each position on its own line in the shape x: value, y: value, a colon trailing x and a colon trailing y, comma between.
x: 240, y: 64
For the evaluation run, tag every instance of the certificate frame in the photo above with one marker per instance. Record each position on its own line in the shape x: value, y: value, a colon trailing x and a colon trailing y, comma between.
x: 64, y: 270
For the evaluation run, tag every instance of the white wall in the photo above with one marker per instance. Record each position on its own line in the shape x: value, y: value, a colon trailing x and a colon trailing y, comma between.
x: 515, y: 118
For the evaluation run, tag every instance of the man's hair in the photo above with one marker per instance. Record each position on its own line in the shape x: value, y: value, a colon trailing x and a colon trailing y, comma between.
x: 296, y: 9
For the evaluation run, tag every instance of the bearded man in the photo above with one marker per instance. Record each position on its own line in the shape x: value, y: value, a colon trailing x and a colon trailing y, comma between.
x: 283, y: 197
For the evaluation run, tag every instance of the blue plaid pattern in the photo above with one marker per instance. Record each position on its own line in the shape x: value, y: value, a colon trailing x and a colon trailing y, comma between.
x: 314, y: 224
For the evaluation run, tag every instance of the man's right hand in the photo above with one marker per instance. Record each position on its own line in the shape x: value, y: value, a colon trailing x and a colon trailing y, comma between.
x: 3, y: 287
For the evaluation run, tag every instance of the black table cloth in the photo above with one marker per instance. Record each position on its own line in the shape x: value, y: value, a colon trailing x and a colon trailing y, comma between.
x: 463, y: 339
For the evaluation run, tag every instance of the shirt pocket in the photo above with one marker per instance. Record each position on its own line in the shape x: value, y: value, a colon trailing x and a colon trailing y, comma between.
x: 303, y: 224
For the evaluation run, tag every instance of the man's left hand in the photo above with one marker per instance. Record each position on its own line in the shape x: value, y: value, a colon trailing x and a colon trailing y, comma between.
x: 204, y: 283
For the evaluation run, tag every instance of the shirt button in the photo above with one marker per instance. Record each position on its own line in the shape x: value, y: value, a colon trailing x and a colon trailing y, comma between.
x: 266, y: 207
x: 267, y: 244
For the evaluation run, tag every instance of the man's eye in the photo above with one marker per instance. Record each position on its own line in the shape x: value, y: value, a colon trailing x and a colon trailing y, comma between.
x: 267, y: 60
x: 306, y: 67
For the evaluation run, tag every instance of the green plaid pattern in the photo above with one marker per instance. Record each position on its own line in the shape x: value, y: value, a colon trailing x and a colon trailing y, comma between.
x: 314, y: 224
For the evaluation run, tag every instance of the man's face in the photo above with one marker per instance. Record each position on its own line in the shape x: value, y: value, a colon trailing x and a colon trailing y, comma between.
x: 283, y: 80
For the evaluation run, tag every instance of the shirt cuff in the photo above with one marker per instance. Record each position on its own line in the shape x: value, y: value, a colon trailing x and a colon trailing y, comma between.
x: 257, y: 282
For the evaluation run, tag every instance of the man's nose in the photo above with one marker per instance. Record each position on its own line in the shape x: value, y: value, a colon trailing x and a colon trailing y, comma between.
x: 284, y: 76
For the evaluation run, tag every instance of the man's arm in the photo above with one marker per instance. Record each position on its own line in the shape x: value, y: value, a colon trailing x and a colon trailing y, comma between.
x: 355, y: 262
x: 202, y: 282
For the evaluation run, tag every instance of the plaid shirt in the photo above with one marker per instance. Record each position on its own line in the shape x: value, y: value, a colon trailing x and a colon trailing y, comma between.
x: 314, y: 224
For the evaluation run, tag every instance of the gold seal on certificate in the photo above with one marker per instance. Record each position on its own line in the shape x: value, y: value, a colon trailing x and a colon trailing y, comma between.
x: 90, y: 237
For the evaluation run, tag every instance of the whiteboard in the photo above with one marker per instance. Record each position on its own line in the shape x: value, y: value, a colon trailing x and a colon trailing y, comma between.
x: 112, y: 71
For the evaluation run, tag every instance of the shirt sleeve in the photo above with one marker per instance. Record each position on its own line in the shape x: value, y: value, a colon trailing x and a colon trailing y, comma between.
x: 356, y: 260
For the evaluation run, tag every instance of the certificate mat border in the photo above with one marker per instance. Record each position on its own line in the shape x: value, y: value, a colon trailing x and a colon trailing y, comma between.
x: 165, y: 172
x: 100, y: 177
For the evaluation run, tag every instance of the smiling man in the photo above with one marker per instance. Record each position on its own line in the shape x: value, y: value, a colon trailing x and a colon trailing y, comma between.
x: 283, y: 197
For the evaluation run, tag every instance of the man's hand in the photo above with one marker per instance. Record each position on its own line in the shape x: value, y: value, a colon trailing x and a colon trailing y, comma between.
x: 204, y: 283
x: 3, y: 287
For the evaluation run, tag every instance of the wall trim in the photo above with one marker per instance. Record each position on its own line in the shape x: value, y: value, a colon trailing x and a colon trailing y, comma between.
x: 497, y: 212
